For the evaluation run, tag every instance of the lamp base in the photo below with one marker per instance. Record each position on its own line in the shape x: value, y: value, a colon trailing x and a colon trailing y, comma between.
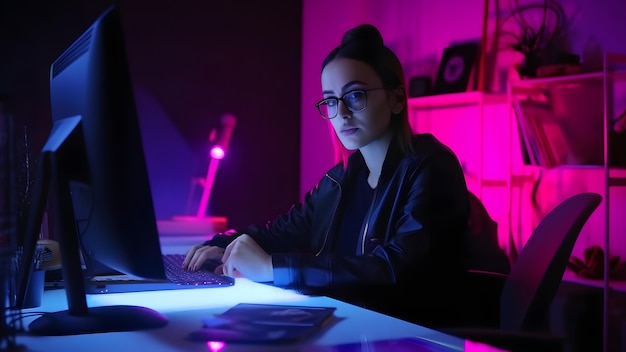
x: 188, y: 225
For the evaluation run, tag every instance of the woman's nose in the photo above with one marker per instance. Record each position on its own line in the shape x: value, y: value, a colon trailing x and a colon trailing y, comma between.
x: 342, y: 110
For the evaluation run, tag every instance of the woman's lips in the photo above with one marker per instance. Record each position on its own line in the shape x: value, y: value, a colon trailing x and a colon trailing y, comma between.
x: 349, y: 131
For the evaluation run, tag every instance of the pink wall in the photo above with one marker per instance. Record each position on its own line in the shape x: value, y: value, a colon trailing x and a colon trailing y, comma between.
x: 418, y: 31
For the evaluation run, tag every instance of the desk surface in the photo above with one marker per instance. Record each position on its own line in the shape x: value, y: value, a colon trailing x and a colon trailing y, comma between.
x: 185, y: 310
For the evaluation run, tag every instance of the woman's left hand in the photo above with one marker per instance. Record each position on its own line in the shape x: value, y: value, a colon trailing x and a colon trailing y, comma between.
x: 245, y: 258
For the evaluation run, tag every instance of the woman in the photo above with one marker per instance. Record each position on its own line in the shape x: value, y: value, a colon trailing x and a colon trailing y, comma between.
x: 383, y: 228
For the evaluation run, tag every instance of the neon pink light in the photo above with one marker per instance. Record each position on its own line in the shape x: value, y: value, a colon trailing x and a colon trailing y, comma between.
x: 207, y: 187
x: 215, y: 346
x: 217, y: 152
x: 471, y: 346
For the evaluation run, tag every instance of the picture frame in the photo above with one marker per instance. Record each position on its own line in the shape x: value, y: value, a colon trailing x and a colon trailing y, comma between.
x: 457, y: 69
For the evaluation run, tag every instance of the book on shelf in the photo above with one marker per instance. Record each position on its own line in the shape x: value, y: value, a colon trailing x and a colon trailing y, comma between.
x: 541, y: 133
x: 528, y: 144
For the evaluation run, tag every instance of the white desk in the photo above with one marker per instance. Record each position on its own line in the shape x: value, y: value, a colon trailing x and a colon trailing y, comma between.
x: 186, y: 308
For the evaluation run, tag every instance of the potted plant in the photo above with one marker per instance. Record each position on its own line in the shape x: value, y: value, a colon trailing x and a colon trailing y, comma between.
x: 539, y: 33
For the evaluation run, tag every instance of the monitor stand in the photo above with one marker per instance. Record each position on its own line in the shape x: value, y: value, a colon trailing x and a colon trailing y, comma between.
x: 78, y: 318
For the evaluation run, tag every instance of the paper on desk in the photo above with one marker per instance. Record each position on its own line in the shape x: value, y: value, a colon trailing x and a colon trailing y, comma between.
x: 263, y: 323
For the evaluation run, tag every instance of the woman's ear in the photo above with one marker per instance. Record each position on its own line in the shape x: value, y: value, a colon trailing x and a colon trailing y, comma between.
x: 398, y: 100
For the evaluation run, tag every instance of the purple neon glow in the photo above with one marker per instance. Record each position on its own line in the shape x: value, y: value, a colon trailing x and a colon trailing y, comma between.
x: 217, y: 152
x: 215, y: 346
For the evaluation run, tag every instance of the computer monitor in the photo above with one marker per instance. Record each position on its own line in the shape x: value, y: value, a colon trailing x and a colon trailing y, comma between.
x: 93, y: 179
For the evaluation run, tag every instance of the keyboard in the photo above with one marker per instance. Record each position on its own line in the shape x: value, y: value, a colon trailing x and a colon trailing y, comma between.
x: 177, y: 278
x: 175, y: 273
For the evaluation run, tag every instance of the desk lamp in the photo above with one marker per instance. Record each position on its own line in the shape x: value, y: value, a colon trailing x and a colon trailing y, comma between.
x: 218, y: 152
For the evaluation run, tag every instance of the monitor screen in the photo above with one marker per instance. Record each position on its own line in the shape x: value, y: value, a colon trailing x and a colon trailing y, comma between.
x: 92, y: 178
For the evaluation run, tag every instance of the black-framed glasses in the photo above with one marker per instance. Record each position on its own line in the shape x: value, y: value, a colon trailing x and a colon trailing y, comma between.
x: 355, y: 100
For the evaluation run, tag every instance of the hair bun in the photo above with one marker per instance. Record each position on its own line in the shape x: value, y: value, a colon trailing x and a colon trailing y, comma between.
x: 365, y: 34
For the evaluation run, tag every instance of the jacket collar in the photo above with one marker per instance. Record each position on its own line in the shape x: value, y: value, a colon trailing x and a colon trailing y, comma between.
x: 356, y: 163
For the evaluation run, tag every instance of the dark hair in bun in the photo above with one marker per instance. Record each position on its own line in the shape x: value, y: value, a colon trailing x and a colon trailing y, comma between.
x: 365, y: 43
x: 366, y: 34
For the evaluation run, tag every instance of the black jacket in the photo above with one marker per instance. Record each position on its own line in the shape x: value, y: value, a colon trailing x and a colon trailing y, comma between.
x: 410, y: 263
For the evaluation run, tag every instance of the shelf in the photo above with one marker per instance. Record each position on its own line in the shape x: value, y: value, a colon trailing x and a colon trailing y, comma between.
x: 494, y: 183
x: 456, y: 99
x: 562, y: 120
x: 599, y: 167
x: 616, y: 285
x: 588, y: 77
x: 566, y: 122
x: 559, y: 80
x: 521, y: 179
x: 618, y: 182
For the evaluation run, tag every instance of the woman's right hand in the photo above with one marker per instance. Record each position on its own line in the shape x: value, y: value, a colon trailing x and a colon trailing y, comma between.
x: 198, y: 254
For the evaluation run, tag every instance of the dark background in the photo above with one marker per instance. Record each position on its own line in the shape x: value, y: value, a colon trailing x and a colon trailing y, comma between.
x: 190, y: 62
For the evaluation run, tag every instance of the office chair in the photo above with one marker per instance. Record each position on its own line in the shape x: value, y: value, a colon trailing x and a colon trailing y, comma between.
x: 530, y: 287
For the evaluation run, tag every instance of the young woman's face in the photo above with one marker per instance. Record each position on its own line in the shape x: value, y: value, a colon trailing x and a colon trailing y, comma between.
x: 343, y: 78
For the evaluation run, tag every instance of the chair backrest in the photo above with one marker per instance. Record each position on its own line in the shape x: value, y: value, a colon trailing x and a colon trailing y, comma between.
x: 537, y: 273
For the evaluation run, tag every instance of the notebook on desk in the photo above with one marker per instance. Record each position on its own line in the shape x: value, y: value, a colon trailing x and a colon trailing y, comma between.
x: 101, y: 280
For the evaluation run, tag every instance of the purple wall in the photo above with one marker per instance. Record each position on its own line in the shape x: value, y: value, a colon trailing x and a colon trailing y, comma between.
x: 190, y: 62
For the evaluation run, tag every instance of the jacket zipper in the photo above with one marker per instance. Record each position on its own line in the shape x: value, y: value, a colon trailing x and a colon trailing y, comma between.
x: 332, y: 220
x: 367, y: 221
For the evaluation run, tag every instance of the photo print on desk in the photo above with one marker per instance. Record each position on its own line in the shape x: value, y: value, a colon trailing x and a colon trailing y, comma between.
x: 262, y: 323
x: 457, y: 69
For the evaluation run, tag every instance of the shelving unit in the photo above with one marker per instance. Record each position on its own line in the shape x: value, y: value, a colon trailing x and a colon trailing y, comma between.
x: 468, y: 117
x: 585, y: 107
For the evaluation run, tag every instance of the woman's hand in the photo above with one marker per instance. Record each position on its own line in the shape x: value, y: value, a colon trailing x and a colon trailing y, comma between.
x: 198, y: 254
x: 245, y: 258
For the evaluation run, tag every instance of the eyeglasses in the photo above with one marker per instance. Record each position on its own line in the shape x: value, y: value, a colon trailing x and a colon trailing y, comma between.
x: 355, y: 100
